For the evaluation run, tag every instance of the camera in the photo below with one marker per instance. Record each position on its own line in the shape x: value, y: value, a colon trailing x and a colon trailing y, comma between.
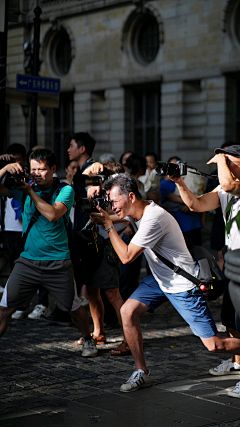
x: 173, y: 169
x: 13, y: 181
x: 89, y: 205
x: 89, y: 180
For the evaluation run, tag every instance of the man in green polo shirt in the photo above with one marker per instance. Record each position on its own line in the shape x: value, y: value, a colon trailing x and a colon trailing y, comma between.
x: 45, y: 258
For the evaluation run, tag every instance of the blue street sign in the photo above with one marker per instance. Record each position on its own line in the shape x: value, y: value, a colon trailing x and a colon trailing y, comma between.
x: 38, y: 84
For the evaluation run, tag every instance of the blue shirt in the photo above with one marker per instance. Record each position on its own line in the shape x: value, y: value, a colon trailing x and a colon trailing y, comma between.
x: 46, y: 241
x: 187, y: 221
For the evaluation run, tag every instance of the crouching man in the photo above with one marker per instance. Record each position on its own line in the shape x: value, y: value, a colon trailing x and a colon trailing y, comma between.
x: 45, y: 258
x: 156, y: 230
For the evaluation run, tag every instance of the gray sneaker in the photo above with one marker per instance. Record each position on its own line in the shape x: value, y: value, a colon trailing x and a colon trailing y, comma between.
x: 19, y: 315
x: 236, y: 391
x: 89, y: 348
x: 226, y: 367
x: 137, y: 380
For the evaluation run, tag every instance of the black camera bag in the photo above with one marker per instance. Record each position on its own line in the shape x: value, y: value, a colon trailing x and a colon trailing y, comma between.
x: 90, y: 248
x: 210, y: 274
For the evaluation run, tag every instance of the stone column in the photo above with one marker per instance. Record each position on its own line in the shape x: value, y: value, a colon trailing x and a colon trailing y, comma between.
x: 171, y: 118
x: 215, y: 106
x: 115, y: 97
x: 82, y: 112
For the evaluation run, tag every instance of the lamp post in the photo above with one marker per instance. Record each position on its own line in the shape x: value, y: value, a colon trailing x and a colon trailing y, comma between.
x: 36, y: 45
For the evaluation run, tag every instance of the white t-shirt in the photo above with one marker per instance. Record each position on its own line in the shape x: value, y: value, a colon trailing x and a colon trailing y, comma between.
x: 150, y: 180
x: 10, y: 223
x: 233, y: 238
x: 159, y: 231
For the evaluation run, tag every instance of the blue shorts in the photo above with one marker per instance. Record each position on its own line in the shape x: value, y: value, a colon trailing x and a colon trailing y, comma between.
x: 191, y: 305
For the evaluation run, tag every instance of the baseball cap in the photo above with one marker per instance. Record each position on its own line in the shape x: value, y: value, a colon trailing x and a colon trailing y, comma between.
x: 233, y: 150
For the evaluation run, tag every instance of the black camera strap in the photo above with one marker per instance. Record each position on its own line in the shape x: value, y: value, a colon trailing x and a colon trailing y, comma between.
x: 178, y: 270
x: 36, y: 215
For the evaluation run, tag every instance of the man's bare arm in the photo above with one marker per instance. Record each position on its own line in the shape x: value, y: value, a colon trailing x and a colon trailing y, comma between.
x: 52, y: 213
x: 204, y: 203
x: 126, y: 253
x: 97, y: 218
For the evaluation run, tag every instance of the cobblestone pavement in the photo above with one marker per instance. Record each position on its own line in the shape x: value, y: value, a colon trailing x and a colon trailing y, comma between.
x: 45, y: 381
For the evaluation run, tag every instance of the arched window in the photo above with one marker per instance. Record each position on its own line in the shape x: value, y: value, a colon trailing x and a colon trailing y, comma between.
x: 145, y: 40
x: 60, y: 55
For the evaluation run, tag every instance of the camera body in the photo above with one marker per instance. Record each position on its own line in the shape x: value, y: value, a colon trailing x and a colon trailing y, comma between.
x: 13, y: 181
x: 173, y: 169
x: 89, y: 205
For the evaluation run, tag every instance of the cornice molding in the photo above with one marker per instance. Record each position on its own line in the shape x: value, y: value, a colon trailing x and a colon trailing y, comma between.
x: 67, y: 8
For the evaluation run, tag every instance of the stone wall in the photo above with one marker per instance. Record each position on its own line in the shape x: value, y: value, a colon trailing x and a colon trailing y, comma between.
x: 197, y: 47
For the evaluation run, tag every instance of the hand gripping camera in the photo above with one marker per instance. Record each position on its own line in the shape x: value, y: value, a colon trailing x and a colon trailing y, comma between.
x: 173, y: 169
x: 89, y: 205
x: 89, y: 180
x: 13, y: 181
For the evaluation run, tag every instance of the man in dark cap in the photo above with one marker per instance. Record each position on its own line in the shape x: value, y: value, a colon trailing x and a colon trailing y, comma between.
x: 217, y: 239
x: 228, y: 163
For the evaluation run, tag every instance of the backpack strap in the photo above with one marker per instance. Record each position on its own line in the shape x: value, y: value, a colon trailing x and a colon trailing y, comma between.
x: 178, y: 270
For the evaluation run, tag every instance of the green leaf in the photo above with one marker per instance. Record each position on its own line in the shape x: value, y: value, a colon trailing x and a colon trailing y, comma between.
x: 230, y: 222
x: 229, y: 225
x: 237, y: 219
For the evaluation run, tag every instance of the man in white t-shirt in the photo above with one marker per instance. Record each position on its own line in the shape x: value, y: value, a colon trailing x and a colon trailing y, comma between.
x: 156, y: 230
x: 228, y: 161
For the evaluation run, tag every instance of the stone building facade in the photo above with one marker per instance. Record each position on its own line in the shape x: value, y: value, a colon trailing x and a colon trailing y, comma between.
x: 157, y: 75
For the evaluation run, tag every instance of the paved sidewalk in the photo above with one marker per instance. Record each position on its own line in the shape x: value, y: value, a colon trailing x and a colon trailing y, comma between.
x: 46, y: 383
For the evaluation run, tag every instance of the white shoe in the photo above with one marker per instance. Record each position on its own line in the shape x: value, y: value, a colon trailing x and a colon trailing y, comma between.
x: 89, y: 348
x: 235, y: 392
x: 19, y: 315
x: 137, y: 380
x: 226, y: 367
x: 84, y: 302
x: 38, y: 311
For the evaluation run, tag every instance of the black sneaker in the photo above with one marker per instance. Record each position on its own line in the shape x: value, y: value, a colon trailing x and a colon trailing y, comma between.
x: 54, y: 320
x: 108, y: 326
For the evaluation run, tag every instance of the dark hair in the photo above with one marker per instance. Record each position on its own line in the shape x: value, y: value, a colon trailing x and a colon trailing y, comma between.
x: 43, y: 155
x: 84, y: 139
x: 16, y: 149
x: 113, y: 167
x: 134, y: 163
x: 173, y: 157
x: 151, y: 153
x: 68, y: 161
x: 123, y: 154
x: 126, y: 184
